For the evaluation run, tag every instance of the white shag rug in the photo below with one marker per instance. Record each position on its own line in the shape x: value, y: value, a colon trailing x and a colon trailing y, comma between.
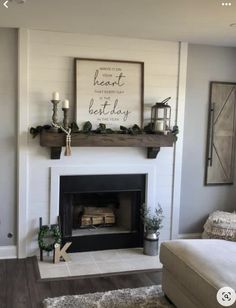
x: 145, y: 297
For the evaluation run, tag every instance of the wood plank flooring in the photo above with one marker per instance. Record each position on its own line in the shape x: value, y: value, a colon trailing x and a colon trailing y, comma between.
x: 22, y: 287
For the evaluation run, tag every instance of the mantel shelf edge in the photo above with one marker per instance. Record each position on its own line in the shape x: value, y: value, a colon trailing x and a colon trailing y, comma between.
x: 153, y: 142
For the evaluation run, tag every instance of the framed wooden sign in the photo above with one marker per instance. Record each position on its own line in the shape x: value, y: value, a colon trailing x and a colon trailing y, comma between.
x: 221, y: 134
x: 109, y: 92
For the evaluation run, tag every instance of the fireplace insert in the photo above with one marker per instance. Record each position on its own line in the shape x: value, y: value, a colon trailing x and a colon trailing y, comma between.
x: 100, y: 212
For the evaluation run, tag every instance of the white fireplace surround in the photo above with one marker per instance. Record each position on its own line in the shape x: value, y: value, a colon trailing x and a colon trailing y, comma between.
x: 56, y: 172
x: 34, y: 165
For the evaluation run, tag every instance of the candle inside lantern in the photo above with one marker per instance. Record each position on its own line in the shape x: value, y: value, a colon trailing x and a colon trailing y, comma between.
x: 159, y: 126
x: 65, y: 104
x: 55, y: 96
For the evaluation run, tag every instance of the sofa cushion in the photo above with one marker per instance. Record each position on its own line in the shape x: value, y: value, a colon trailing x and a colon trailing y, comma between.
x: 201, y: 266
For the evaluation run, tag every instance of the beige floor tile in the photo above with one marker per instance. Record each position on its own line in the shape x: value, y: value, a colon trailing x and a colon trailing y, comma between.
x: 49, y: 264
x: 130, y: 252
x: 54, y: 271
x: 77, y: 269
x: 113, y: 266
x: 137, y: 264
x: 105, y: 255
x: 81, y: 257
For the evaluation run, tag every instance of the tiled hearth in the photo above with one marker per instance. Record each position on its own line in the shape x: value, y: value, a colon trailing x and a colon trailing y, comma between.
x: 100, y: 262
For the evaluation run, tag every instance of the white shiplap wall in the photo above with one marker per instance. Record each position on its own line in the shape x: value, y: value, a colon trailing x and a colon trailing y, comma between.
x: 51, y: 69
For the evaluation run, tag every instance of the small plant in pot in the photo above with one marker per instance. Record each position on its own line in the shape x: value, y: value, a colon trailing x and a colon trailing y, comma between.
x: 152, y: 224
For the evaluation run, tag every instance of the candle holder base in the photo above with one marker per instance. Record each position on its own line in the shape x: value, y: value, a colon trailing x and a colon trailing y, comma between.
x: 53, y: 130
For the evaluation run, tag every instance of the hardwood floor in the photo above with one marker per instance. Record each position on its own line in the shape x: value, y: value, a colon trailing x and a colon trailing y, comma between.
x: 22, y: 287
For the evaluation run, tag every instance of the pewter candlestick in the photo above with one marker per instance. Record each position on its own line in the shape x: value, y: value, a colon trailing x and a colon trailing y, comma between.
x: 65, y: 119
x: 55, y: 115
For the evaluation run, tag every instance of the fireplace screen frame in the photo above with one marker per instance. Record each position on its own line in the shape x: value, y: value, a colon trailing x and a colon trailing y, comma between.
x: 71, y: 185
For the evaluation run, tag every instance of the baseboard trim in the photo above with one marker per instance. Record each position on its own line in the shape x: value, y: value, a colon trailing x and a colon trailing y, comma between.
x: 189, y: 235
x: 8, y: 252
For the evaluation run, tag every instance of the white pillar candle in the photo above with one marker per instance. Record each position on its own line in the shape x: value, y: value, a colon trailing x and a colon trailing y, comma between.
x: 65, y: 104
x: 55, y: 96
x: 159, y: 126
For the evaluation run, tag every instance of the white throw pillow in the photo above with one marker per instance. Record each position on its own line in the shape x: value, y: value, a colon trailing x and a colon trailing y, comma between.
x: 220, y: 225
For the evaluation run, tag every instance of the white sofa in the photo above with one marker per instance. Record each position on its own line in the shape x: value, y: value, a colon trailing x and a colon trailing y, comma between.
x: 194, y: 271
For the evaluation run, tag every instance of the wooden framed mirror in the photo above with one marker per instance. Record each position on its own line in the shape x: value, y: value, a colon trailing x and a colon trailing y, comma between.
x: 221, y: 134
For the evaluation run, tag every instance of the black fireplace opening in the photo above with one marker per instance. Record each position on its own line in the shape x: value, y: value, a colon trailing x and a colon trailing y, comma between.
x: 99, y: 212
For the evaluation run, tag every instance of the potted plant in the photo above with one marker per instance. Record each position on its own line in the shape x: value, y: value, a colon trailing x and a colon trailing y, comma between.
x: 152, y: 224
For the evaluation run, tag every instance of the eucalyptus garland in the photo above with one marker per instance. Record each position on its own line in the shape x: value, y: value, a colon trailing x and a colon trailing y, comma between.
x: 102, y: 129
x: 49, y: 232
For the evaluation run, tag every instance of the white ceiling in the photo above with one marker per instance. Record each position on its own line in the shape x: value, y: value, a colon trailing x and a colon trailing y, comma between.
x: 195, y: 21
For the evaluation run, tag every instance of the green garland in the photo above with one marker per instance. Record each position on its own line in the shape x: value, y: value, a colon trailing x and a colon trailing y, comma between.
x: 46, y: 232
x: 102, y: 129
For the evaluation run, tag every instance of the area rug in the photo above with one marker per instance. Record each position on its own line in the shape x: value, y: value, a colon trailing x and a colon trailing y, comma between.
x: 145, y: 297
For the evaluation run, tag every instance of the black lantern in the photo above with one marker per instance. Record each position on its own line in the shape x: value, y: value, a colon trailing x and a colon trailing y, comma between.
x: 160, y: 117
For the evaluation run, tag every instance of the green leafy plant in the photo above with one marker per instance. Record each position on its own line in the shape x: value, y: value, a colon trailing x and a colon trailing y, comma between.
x: 152, y: 221
x: 35, y: 131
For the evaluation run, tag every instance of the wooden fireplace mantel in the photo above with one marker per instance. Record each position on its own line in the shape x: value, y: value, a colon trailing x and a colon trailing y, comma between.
x: 152, y: 142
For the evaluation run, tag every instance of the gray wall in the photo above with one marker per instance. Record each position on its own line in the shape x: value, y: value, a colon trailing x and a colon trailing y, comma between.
x: 8, y: 94
x: 205, y: 64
